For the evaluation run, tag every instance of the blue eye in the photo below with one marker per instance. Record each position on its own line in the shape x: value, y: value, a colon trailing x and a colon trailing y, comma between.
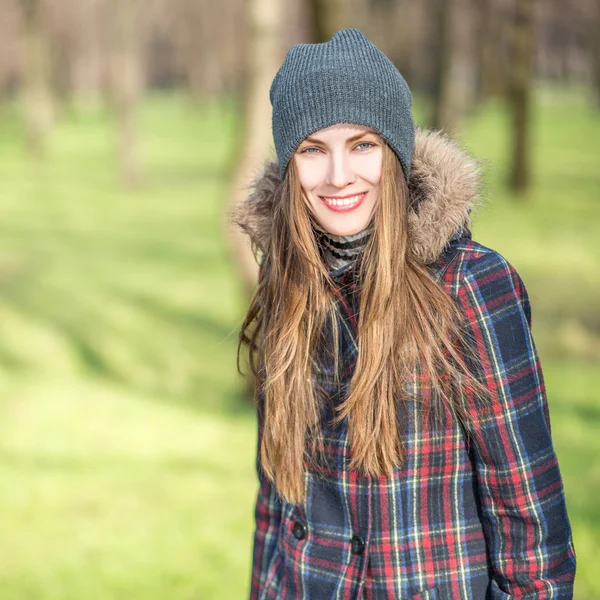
x: 310, y: 148
x: 368, y: 144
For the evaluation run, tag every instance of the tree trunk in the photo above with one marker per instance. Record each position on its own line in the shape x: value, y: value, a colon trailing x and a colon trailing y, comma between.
x: 488, y: 44
x: 264, y: 55
x: 523, y: 36
x: 405, y: 54
x: 37, y: 98
x: 325, y: 18
x: 86, y: 65
x: 127, y: 82
x: 595, y: 49
x: 202, y: 46
x: 444, y: 110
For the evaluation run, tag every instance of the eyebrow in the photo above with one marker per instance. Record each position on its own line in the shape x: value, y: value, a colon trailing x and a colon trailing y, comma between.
x: 349, y: 140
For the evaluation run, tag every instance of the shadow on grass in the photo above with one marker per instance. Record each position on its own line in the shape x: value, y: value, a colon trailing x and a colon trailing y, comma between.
x: 92, y: 336
x: 178, y: 315
x: 589, y: 413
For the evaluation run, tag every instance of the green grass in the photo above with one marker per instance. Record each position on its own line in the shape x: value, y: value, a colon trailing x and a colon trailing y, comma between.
x: 106, y: 494
x: 126, y: 448
x: 132, y: 286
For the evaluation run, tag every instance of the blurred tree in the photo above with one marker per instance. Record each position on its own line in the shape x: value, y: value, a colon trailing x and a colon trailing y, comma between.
x: 127, y: 79
x: 463, y: 74
x: 522, y: 47
x: 208, y: 40
x: 325, y: 18
x: 390, y: 25
x: 444, y: 111
x: 200, y: 26
x: 37, y: 96
x: 265, y: 22
x: 404, y: 29
x: 161, y: 50
x: 489, y: 51
x: 10, y: 39
x: 594, y: 43
x: 85, y: 68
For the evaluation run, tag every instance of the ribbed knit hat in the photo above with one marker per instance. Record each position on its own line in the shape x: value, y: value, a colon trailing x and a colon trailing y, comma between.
x: 345, y: 80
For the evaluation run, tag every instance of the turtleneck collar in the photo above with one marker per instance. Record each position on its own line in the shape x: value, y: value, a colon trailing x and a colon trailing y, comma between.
x: 341, y: 251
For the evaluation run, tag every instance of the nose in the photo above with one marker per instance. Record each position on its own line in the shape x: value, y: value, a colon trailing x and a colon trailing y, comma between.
x: 340, y: 172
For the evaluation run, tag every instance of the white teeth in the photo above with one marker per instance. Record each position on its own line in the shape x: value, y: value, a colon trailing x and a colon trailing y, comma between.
x: 343, y: 201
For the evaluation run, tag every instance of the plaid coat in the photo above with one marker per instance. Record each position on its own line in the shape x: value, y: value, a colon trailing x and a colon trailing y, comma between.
x: 458, y: 521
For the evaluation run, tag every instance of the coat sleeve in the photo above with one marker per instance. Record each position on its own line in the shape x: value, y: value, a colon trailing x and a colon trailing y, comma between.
x: 267, y: 516
x: 523, y: 509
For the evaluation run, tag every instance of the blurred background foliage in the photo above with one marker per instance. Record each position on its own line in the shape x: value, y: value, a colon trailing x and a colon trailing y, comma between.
x: 127, y: 130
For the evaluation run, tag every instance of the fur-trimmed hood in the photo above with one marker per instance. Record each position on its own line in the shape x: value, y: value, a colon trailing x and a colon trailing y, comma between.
x: 444, y: 183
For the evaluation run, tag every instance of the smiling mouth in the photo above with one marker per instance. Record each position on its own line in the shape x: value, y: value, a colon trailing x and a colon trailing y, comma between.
x: 343, y: 204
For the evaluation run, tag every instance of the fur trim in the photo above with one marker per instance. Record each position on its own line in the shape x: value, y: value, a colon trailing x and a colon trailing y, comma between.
x: 444, y: 184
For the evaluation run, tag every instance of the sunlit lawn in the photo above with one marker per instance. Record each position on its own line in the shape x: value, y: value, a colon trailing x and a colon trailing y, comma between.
x: 126, y: 449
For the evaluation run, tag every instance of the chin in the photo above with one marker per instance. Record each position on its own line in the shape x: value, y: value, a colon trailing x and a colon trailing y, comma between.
x: 345, y: 231
x: 343, y: 228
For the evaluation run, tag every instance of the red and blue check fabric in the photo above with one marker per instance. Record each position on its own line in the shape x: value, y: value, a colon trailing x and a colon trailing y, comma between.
x: 477, y: 520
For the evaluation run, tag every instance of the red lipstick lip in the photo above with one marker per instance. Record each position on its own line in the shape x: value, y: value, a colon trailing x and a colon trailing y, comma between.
x: 347, y: 208
x: 342, y: 197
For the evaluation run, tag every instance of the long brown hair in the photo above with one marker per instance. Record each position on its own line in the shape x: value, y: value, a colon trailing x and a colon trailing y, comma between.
x: 406, y: 322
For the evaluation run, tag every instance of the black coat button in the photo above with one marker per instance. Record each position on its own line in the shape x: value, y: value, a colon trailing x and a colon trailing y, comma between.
x: 299, y: 530
x: 358, y: 544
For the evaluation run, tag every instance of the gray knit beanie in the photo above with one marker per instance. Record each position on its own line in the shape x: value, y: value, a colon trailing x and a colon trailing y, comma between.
x: 345, y: 80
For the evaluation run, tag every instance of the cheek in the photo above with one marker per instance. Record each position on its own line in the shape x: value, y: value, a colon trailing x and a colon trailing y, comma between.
x: 310, y: 174
x: 369, y: 167
x: 373, y: 171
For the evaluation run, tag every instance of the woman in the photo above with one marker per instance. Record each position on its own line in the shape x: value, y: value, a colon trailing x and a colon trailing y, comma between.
x: 404, y: 436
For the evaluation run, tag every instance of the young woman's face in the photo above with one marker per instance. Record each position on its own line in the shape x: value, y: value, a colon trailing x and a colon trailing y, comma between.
x: 339, y: 169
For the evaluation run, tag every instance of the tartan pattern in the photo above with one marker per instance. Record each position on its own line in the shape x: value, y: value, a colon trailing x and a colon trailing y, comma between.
x: 458, y: 521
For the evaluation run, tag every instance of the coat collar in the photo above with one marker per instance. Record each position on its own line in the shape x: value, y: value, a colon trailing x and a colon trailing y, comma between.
x: 444, y: 183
